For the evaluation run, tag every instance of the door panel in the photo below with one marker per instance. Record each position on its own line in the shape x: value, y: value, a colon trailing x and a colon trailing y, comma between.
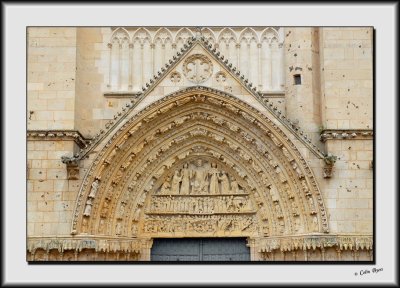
x: 200, y: 249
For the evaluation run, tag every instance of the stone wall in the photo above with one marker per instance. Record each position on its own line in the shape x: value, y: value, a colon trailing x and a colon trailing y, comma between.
x: 346, y: 74
x: 51, y: 196
x: 349, y: 193
x: 51, y: 79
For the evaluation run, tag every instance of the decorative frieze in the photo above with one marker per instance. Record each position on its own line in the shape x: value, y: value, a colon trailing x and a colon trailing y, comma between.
x: 312, y: 242
x: 138, y: 249
x: 346, y: 134
x: 58, y: 135
x: 79, y: 243
x: 190, y: 225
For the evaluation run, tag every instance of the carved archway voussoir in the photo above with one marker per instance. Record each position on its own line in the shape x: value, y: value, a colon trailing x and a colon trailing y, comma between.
x: 212, y: 133
x: 222, y: 109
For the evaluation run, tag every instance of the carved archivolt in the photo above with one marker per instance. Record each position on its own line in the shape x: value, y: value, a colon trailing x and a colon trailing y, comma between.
x: 199, y: 164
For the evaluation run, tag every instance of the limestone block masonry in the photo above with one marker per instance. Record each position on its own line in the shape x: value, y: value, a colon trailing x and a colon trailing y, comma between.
x: 136, y: 133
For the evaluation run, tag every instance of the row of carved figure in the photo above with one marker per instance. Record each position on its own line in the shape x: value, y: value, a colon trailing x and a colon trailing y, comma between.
x: 200, y: 205
x: 205, y: 224
x: 199, y: 180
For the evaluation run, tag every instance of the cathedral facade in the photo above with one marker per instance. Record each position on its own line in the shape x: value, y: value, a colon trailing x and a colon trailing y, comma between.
x: 200, y: 144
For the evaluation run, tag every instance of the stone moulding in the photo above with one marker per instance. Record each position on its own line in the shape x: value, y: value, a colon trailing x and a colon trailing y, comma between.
x: 263, y: 245
x: 346, y: 134
x: 308, y: 242
x: 78, y: 244
x: 122, y: 94
x: 56, y: 135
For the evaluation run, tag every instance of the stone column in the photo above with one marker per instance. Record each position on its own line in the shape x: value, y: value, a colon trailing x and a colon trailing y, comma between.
x: 281, y: 66
x: 253, y: 244
x: 109, y: 45
x: 145, y: 251
x: 339, y: 255
x: 269, y: 67
x: 163, y: 55
x: 323, y: 253
x: 173, y: 49
x: 142, y: 65
x: 119, y: 65
x: 152, y: 46
x: 305, y: 254
x: 130, y: 66
x: 238, y: 56
x: 259, y: 67
x: 248, y: 62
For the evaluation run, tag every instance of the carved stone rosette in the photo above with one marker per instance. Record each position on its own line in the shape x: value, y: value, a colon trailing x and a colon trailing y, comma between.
x: 197, y: 68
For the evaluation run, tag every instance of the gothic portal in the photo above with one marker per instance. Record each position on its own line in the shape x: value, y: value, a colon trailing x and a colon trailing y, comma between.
x: 198, y: 154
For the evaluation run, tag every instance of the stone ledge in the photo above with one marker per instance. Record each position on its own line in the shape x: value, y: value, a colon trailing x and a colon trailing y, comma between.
x: 122, y: 94
x: 79, y: 243
x: 342, y: 242
x: 341, y: 134
x: 307, y: 242
x: 55, y: 135
x: 274, y: 94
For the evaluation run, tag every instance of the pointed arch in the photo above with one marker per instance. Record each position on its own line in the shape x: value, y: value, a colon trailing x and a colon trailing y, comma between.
x: 141, y: 36
x: 249, y: 35
x: 269, y: 35
x: 120, y: 35
x: 116, y: 195
x: 164, y: 35
x: 208, y: 35
x: 119, y: 64
x: 227, y: 35
x: 182, y: 35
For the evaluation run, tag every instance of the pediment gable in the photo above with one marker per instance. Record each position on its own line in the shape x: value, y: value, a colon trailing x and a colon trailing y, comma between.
x: 197, y: 64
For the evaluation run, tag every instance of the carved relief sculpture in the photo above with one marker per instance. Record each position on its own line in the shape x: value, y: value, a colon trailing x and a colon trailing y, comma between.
x: 197, y: 68
x: 186, y: 174
x: 214, y: 186
x: 95, y: 186
x: 224, y: 183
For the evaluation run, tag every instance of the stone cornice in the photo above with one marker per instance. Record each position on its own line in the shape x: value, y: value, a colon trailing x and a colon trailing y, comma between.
x: 79, y: 243
x: 308, y: 242
x: 341, y: 242
x: 349, y: 134
x: 52, y: 135
x: 122, y: 94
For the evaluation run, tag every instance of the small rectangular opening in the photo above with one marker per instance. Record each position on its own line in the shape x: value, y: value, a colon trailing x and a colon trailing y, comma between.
x: 297, y: 79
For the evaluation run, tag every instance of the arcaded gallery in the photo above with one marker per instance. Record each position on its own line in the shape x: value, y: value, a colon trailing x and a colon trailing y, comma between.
x: 200, y: 144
